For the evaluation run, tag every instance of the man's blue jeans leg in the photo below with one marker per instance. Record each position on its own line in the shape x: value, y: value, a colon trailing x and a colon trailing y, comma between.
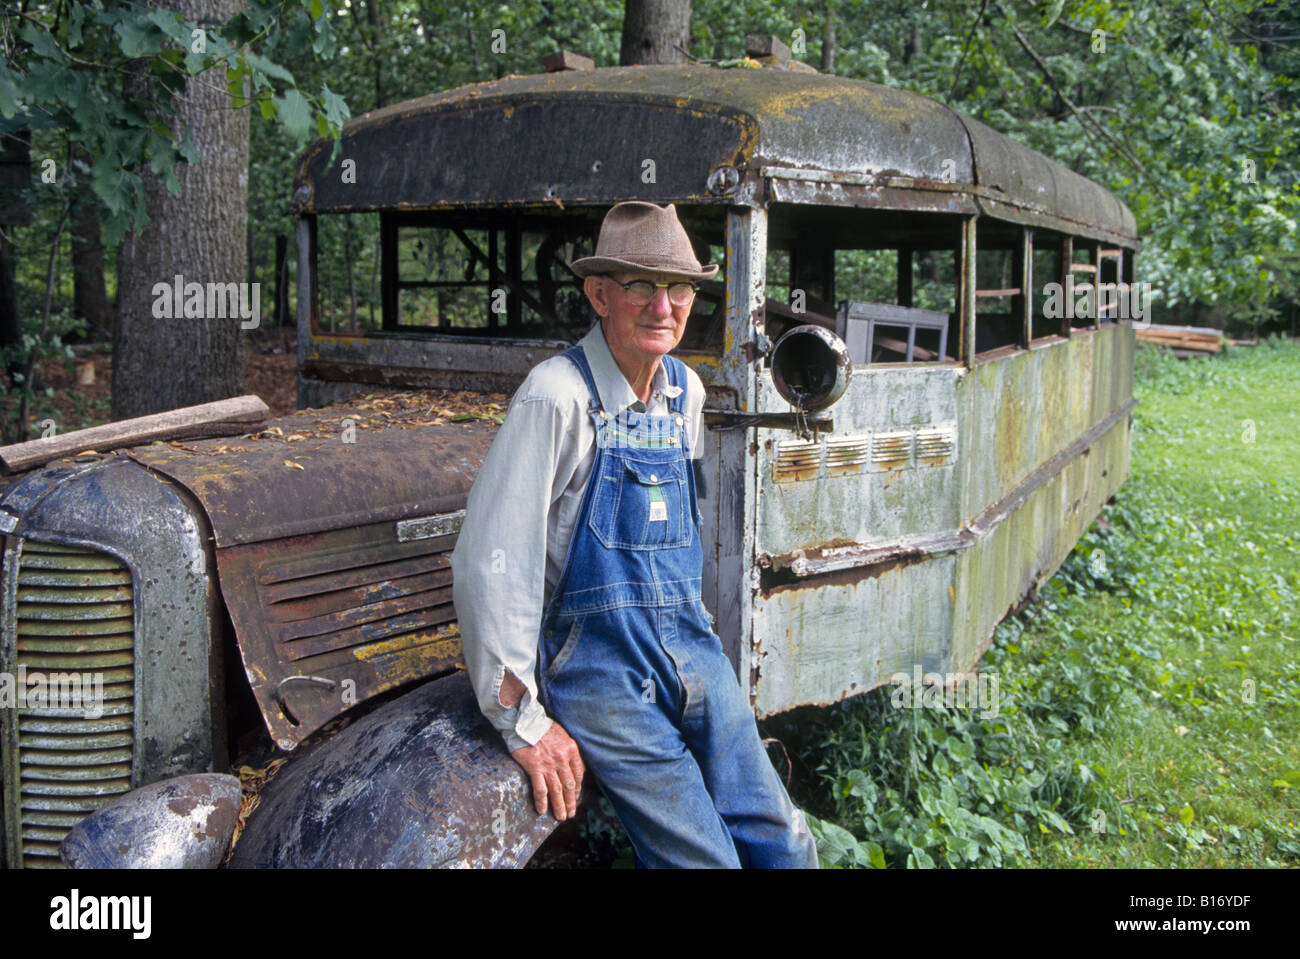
x: 663, y: 724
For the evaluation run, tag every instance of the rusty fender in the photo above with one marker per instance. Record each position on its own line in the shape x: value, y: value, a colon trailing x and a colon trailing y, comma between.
x: 424, y: 781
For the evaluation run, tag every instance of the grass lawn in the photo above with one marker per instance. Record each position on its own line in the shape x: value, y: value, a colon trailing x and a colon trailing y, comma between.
x: 1150, y: 697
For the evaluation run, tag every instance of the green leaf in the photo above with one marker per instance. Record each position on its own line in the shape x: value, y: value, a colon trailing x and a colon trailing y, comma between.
x: 138, y: 37
x: 263, y: 69
x: 188, y: 150
x: 859, y: 784
x: 919, y: 859
x: 323, y: 42
x: 43, y: 44
x: 10, y: 97
x: 834, y: 843
x: 170, y: 24
x: 195, y: 62
x: 875, y: 855
x: 295, y: 114
x: 1187, y: 815
x: 76, y: 16
x: 235, y: 84
x: 335, y: 107
x: 960, y: 749
x: 163, y: 163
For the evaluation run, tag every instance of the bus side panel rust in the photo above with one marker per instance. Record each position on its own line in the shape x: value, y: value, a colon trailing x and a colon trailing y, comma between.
x: 1072, y: 399
x: 825, y: 641
x: 849, y: 562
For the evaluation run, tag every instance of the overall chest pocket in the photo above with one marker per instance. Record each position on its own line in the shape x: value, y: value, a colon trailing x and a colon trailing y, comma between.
x: 641, y: 504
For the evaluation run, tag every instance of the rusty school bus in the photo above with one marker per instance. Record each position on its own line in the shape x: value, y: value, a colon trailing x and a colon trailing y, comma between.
x: 903, y: 441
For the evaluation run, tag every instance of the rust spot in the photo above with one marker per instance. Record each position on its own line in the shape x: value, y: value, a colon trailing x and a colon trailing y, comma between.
x: 182, y: 805
x: 775, y: 581
x: 820, y: 551
x: 220, y: 821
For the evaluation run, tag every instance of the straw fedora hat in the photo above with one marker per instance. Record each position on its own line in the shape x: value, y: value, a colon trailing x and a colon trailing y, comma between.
x: 642, y: 237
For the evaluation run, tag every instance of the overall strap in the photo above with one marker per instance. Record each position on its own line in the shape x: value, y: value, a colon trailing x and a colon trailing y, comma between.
x: 674, y: 367
x: 676, y: 370
x: 579, y: 358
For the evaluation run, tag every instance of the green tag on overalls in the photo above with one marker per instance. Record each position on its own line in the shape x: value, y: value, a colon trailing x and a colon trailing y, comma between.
x: 658, y: 508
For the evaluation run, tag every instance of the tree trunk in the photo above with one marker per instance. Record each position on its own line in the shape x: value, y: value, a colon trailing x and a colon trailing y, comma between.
x: 655, y: 31
x: 352, y: 279
x: 372, y: 34
x: 89, y: 298
x: 16, y: 172
x: 198, y: 235
x: 828, y: 38
x: 915, y: 46
x: 11, y: 330
x: 377, y: 38
x: 282, y: 315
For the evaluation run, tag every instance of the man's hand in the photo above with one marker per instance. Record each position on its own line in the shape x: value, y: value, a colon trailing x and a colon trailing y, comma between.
x: 556, y: 771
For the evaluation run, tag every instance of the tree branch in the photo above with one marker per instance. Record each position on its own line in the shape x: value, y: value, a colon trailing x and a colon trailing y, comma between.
x: 970, y: 35
x: 1073, y: 108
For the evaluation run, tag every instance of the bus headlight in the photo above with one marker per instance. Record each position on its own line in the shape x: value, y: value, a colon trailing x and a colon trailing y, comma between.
x: 811, y: 367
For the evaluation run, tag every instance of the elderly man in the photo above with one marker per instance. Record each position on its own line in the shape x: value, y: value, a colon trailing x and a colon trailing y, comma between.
x: 577, y: 579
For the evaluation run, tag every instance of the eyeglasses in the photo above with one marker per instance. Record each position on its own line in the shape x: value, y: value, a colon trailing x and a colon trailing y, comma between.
x: 641, y: 292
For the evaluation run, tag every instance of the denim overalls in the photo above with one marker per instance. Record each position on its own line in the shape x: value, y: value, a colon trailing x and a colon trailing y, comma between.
x: 630, y: 667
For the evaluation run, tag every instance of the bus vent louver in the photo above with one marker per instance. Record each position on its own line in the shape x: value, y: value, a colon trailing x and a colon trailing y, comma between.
x: 846, y: 456
x: 891, y: 450
x: 796, y: 460
x: 935, y: 445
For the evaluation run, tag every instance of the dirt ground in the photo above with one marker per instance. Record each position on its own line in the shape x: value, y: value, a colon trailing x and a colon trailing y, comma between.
x: 269, y: 371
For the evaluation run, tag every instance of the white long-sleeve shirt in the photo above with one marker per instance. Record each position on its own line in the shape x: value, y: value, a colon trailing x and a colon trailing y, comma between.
x: 520, y: 518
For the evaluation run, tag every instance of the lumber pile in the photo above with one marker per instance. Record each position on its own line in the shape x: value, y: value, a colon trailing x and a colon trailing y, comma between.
x: 1196, y: 339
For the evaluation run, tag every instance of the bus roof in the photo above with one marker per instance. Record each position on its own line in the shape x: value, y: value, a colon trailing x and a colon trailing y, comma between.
x: 670, y: 133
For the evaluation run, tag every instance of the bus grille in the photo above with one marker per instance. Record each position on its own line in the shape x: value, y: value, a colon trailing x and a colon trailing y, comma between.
x: 73, y: 617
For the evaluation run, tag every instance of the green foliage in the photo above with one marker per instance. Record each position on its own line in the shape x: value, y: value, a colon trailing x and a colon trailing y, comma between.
x: 21, y: 399
x: 413, y: 50
x: 942, y: 786
x: 106, y: 75
x: 1167, y: 114
x: 605, y: 836
x: 1187, y: 111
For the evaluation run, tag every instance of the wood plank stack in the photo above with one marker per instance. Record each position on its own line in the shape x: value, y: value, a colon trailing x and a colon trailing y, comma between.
x: 1194, y: 339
